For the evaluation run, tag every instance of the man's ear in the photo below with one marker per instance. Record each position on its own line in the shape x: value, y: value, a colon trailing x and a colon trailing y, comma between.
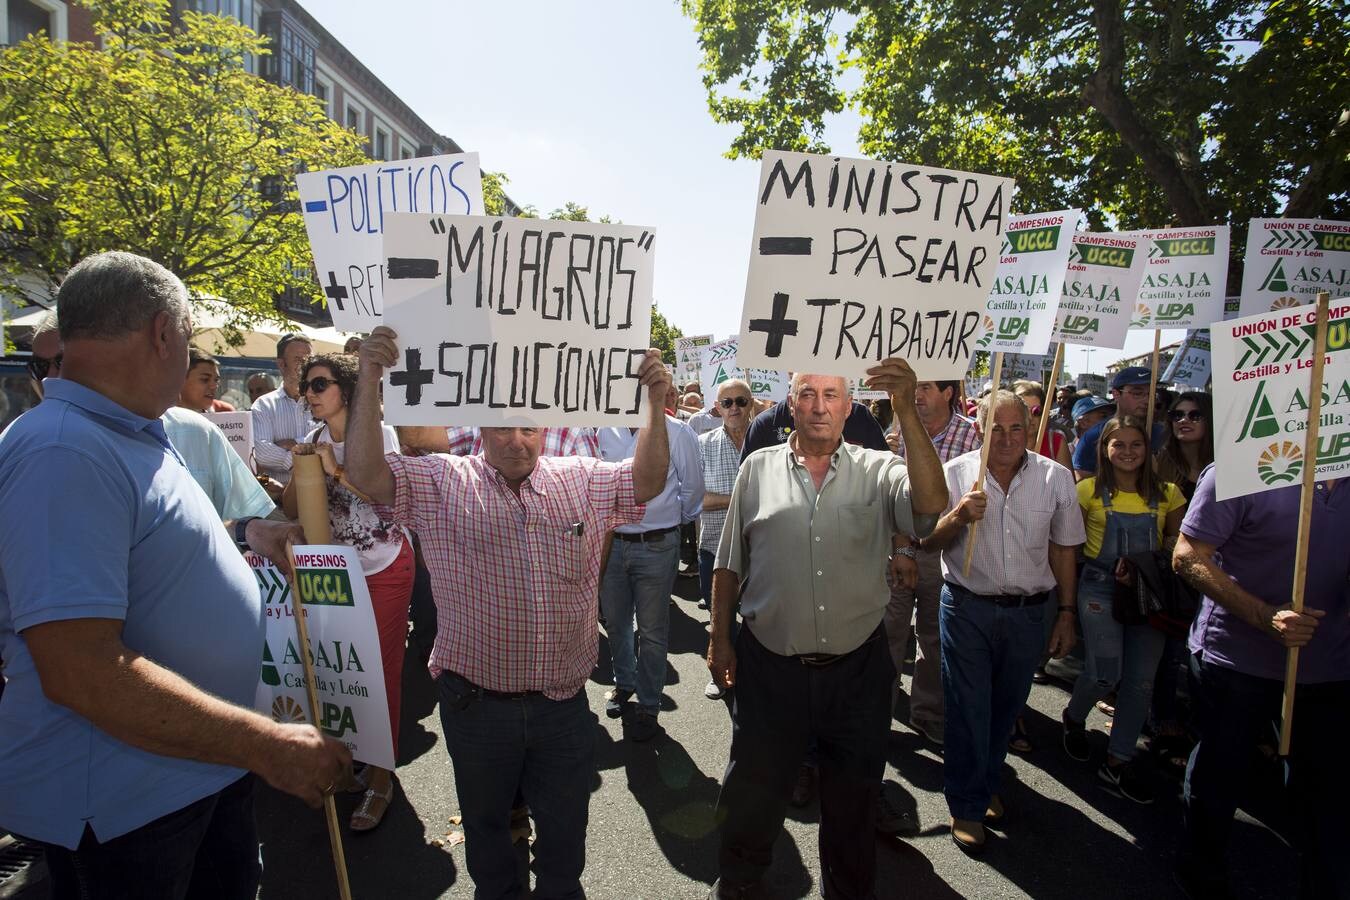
x: 163, y: 332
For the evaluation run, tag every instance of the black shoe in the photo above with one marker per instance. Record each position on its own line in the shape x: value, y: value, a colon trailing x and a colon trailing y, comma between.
x: 1076, y: 739
x: 722, y: 891
x: 644, y: 726
x: 1126, y: 780
x: 615, y: 698
x: 703, y: 604
x: 894, y: 821
x: 805, y: 786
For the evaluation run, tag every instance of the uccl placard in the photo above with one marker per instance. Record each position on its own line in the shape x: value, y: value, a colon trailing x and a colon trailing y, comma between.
x: 1026, y: 291
x: 345, y: 211
x: 517, y: 322
x: 854, y: 261
x: 344, y: 646
x: 1262, y: 367
x: 689, y: 356
x: 1101, y: 289
x: 1184, y: 282
x: 1290, y: 260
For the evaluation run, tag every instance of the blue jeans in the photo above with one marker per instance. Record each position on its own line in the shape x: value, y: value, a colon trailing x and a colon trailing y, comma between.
x: 989, y: 654
x: 546, y: 749
x: 706, y: 560
x: 207, y: 849
x: 1120, y: 657
x: 637, y: 583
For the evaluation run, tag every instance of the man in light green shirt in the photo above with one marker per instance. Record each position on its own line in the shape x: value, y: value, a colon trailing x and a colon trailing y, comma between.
x: 804, y: 551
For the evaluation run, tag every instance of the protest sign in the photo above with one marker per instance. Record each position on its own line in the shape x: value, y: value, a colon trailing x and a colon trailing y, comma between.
x: 1185, y: 279
x: 1101, y: 289
x: 1026, y: 367
x: 720, y: 362
x: 517, y: 322
x: 1290, y: 260
x: 1190, y: 364
x: 238, y: 430
x: 1261, y: 399
x: 1091, y: 382
x: 689, y: 357
x: 1026, y: 292
x: 344, y: 646
x: 345, y: 211
x: 854, y: 261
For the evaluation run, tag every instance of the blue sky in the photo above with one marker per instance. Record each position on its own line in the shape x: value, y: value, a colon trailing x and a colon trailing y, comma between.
x: 601, y: 103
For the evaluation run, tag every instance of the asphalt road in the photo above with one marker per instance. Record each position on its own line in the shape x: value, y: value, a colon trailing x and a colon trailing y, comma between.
x: 652, y: 833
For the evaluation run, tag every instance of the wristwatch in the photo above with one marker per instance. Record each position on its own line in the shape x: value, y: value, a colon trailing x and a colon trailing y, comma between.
x: 905, y: 551
x: 241, y: 529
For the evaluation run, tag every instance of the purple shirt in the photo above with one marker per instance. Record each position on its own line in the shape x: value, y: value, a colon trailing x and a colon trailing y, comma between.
x: 1255, y: 536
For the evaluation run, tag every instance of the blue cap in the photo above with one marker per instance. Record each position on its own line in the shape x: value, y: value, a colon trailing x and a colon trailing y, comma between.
x: 1131, y: 375
x: 1087, y: 404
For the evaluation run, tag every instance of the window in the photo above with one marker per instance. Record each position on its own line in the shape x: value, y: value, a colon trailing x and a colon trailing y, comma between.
x: 381, y: 144
x: 406, y: 152
x: 27, y: 17
x: 353, y: 122
x: 295, y: 60
x: 324, y: 91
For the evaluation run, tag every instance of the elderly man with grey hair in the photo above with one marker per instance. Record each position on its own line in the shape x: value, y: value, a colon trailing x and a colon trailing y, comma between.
x: 45, y: 345
x: 992, y: 618
x: 129, y: 622
x: 804, y: 550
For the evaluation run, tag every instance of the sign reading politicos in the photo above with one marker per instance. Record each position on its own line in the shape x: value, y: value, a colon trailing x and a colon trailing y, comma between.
x: 1262, y: 367
x: 1101, y: 289
x: 1290, y: 260
x: 1185, y: 277
x: 345, y: 211
x: 516, y: 322
x: 1026, y: 291
x: 854, y: 261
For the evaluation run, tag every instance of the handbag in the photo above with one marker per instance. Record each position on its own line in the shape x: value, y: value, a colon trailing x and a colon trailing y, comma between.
x: 1148, y: 591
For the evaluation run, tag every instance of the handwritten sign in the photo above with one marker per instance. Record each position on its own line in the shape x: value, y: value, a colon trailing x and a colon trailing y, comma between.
x: 238, y: 430
x: 345, y: 211
x: 1185, y: 279
x: 344, y: 644
x: 517, y: 322
x: 1101, y: 289
x: 1290, y: 260
x: 721, y: 362
x: 1026, y: 292
x: 689, y: 356
x: 1262, y: 366
x: 854, y: 261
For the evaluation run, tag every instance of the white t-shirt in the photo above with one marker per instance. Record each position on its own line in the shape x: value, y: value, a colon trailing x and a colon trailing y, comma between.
x: 354, y: 522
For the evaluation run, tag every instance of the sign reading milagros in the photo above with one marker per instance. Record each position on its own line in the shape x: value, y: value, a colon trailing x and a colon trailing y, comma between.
x: 517, y: 322
x: 720, y: 363
x: 1026, y: 291
x: 854, y: 261
x: 345, y: 212
x: 1183, y: 284
x: 238, y: 430
x: 1101, y: 289
x: 1261, y: 372
x: 344, y: 645
x: 1290, y: 260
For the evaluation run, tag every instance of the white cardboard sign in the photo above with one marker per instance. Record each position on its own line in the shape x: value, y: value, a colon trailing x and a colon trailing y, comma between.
x: 345, y: 211
x: 720, y: 362
x: 238, y: 430
x: 1290, y: 260
x: 344, y: 644
x: 1026, y: 293
x: 855, y: 260
x: 689, y: 356
x: 1191, y: 363
x: 517, y: 322
x: 1185, y: 279
x: 1101, y: 289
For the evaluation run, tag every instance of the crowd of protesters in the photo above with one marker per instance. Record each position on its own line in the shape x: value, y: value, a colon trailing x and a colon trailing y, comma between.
x: 826, y: 536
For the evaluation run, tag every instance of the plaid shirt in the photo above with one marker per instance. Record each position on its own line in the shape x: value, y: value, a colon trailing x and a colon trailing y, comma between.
x: 721, y: 462
x: 515, y: 579
x: 957, y: 438
x: 467, y: 441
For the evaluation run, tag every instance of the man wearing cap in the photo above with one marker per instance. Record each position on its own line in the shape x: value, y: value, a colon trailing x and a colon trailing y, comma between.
x: 281, y: 419
x: 1087, y: 413
x: 1129, y: 388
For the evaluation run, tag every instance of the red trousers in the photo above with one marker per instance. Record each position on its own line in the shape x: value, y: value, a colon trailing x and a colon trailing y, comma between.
x: 390, y: 594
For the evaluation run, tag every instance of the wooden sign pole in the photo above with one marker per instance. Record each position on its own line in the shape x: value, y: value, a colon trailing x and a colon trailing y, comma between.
x: 1152, y: 392
x: 996, y: 377
x: 1050, y: 392
x: 1305, y: 510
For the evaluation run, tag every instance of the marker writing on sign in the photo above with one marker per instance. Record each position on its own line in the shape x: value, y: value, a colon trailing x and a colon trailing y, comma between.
x: 357, y: 204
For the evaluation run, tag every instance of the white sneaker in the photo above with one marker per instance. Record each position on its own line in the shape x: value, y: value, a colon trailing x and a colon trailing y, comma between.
x: 714, y: 691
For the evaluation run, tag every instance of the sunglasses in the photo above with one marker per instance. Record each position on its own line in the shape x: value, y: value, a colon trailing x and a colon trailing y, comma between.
x: 319, y: 384
x: 728, y: 402
x: 1184, y: 415
x: 38, y: 367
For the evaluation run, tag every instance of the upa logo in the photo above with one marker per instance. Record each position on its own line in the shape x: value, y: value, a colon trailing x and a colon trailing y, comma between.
x: 1175, y: 312
x: 1031, y: 240
x: 1013, y: 328
x: 1080, y: 325
x: 336, y: 721
x: 1280, y: 463
x: 1142, y: 316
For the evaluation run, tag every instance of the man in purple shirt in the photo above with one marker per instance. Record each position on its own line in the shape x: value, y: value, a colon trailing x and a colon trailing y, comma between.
x: 1240, y: 554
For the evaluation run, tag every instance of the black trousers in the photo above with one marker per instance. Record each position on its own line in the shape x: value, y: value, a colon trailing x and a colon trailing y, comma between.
x: 780, y: 704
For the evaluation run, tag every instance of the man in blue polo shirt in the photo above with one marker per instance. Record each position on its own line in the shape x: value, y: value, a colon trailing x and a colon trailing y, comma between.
x: 1129, y: 389
x: 129, y: 623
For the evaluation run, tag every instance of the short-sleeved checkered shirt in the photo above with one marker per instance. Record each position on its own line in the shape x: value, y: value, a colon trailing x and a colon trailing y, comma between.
x: 958, y: 437
x: 466, y: 441
x: 515, y: 578
x: 721, y: 462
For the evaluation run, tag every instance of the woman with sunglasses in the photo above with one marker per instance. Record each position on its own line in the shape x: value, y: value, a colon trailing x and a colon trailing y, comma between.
x: 1190, y: 443
x: 1126, y: 509
x: 385, y: 550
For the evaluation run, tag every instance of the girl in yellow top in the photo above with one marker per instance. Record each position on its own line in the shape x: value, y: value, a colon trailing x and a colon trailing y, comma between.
x: 1126, y: 509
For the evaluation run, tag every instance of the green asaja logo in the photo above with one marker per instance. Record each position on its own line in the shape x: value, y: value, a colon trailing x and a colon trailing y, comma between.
x: 1280, y: 463
x: 1260, y: 421
x: 1031, y: 240
x: 1275, y: 278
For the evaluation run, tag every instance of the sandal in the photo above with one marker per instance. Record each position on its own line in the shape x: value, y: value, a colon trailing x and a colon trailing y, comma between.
x: 364, y: 819
x: 1020, y: 742
x: 358, y: 781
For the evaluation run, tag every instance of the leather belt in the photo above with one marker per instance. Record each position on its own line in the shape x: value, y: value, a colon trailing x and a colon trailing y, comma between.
x: 1006, y: 601
x: 643, y: 537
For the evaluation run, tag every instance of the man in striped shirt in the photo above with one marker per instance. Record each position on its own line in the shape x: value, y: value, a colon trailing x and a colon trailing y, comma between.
x: 513, y: 541
x: 281, y: 419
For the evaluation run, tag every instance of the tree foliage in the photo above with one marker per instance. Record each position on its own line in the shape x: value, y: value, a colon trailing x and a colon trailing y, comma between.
x: 1171, y: 112
x: 160, y: 142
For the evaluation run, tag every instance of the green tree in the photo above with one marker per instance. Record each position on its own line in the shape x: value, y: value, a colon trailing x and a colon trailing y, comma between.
x: 160, y: 143
x: 1178, y: 112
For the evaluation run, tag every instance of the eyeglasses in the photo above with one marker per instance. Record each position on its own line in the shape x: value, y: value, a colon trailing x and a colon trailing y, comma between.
x: 726, y: 402
x: 1186, y: 415
x: 319, y: 384
x: 39, y: 366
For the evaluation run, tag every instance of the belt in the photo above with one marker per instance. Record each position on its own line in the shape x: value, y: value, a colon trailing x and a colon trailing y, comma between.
x: 643, y: 537
x: 496, y: 695
x: 820, y: 660
x: 1005, y: 600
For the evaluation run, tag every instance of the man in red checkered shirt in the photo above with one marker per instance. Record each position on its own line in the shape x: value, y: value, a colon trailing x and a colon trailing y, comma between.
x: 513, y: 541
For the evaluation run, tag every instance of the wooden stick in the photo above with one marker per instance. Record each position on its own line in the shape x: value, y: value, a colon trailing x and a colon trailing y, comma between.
x: 1049, y: 395
x: 1152, y: 392
x: 996, y: 377
x: 1305, y: 510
